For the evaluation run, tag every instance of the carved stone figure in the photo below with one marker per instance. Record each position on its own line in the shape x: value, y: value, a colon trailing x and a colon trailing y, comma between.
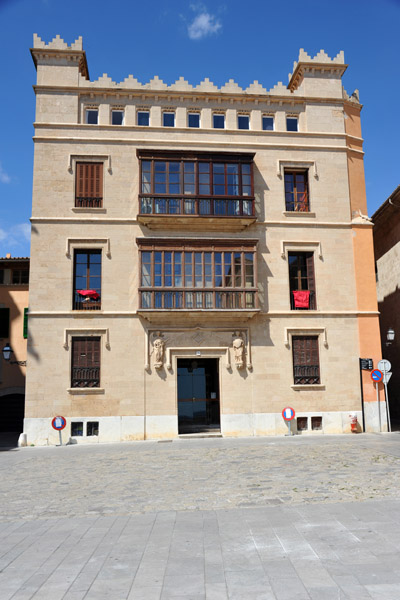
x: 158, y: 349
x: 238, y: 350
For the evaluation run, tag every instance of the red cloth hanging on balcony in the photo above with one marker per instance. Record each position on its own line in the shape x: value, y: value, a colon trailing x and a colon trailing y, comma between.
x: 301, y: 298
x: 88, y: 294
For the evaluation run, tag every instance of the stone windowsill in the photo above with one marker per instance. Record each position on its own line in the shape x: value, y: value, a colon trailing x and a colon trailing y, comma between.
x: 83, y: 391
x: 298, y: 214
x: 87, y: 209
x: 313, y: 386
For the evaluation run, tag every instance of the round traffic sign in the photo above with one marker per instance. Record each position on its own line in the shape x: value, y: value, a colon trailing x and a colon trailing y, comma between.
x: 384, y: 365
x: 58, y: 423
x: 288, y: 413
x: 376, y: 375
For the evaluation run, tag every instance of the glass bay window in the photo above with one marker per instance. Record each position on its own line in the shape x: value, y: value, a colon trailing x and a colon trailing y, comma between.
x: 198, y: 278
x: 220, y: 185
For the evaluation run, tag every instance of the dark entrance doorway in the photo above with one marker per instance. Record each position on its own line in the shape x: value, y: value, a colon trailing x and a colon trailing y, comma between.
x: 198, y: 395
x: 12, y: 413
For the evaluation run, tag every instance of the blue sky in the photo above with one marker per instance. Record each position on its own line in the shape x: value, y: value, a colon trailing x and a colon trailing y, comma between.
x: 245, y: 41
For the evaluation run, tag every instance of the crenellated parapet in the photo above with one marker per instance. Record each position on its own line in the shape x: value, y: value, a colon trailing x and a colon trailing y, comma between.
x: 49, y: 57
x: 57, y: 43
x: 315, y: 76
x: 318, y: 76
x: 182, y: 85
x: 354, y: 97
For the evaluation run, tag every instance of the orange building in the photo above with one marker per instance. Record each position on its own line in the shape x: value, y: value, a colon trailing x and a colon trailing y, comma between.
x: 14, y: 290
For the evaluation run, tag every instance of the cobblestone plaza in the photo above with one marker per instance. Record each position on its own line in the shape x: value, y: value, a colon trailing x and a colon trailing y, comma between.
x: 312, y: 517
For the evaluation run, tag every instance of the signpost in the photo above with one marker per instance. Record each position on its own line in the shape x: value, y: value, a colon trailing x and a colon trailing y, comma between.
x: 59, y: 423
x: 385, y: 366
x: 376, y: 375
x: 288, y: 414
x: 366, y: 364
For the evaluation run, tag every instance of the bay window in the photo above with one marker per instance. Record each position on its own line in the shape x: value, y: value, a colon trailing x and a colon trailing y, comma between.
x: 200, y: 184
x: 196, y: 275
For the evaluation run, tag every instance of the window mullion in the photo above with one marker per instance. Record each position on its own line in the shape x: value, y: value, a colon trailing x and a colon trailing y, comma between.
x: 212, y: 184
x: 226, y: 179
x: 240, y: 188
x: 152, y: 269
x: 193, y: 270
x: 88, y: 271
x: 182, y: 186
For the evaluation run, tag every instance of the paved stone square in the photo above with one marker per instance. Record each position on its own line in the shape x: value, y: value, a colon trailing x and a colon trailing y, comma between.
x: 308, y: 517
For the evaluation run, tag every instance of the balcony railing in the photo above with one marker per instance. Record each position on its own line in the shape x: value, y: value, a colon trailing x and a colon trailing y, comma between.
x: 85, y: 377
x: 217, y: 207
x: 312, y: 304
x: 306, y: 374
x: 298, y: 203
x: 85, y: 303
x: 197, y: 299
x: 85, y: 202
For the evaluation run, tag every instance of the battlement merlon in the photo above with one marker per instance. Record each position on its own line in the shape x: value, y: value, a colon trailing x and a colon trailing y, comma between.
x: 318, y: 76
x: 49, y: 57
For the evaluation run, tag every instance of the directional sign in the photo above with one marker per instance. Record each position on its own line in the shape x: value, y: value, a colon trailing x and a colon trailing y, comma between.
x: 384, y: 365
x: 386, y: 376
x: 366, y: 364
x: 376, y: 375
x: 288, y: 413
x: 58, y: 423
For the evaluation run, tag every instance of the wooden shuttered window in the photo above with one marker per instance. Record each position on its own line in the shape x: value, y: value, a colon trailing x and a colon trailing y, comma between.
x: 305, y: 360
x: 85, y: 362
x: 4, y: 322
x: 302, y: 276
x: 89, y: 185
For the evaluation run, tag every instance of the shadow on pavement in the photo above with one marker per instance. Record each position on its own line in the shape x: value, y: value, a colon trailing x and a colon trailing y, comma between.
x: 9, y: 440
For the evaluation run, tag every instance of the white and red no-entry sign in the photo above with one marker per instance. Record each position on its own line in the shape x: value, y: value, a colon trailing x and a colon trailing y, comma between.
x: 288, y: 413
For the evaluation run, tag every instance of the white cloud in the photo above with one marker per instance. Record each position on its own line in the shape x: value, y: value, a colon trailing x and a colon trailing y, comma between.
x: 4, y: 178
x: 204, y: 23
x: 15, y: 239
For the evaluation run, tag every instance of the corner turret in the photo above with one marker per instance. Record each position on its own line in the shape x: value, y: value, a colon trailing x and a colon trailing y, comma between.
x: 57, y: 63
x: 319, y: 76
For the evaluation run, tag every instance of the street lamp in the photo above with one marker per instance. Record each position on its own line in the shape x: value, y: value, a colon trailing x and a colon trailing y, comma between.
x: 7, y: 351
x: 390, y: 336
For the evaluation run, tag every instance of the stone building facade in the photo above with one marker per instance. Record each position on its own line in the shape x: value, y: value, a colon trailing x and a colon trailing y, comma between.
x: 200, y: 256
x: 387, y: 256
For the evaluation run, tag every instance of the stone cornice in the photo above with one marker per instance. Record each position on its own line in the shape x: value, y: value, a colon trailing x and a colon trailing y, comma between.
x: 186, y: 143
x: 221, y: 132
x: 313, y: 314
x: 193, y: 95
x: 290, y: 223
